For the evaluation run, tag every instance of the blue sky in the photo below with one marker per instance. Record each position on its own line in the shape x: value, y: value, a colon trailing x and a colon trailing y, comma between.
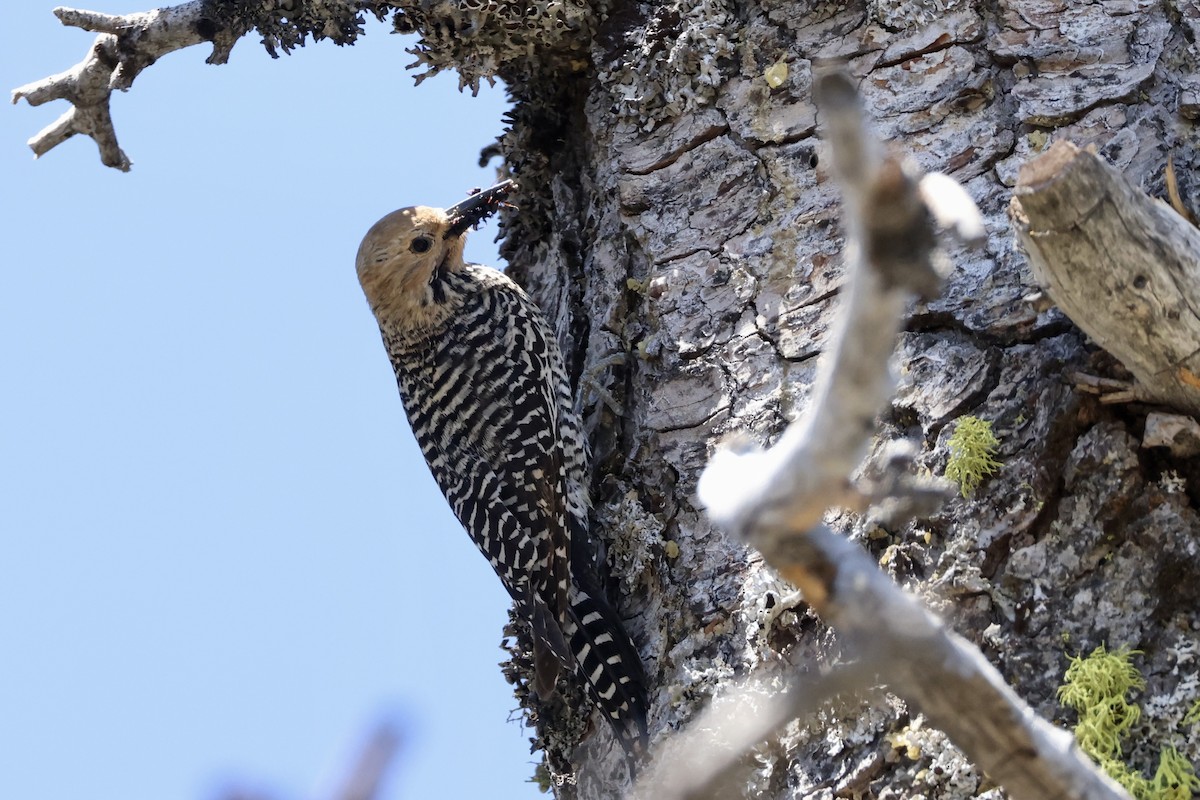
x: 223, y: 559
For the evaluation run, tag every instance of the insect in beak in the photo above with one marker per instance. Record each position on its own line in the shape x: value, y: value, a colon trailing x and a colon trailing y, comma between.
x: 475, y: 209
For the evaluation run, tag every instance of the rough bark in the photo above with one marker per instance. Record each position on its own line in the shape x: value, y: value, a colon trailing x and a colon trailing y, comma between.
x: 695, y: 231
x: 678, y: 223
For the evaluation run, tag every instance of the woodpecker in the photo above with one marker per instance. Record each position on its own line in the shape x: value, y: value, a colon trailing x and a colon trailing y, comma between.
x: 483, y: 383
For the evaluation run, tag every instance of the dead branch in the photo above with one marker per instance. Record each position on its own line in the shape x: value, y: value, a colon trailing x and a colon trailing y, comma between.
x: 125, y: 46
x: 775, y: 499
x: 1119, y: 263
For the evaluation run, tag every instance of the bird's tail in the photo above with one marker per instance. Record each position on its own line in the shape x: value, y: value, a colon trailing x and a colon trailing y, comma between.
x: 609, y: 666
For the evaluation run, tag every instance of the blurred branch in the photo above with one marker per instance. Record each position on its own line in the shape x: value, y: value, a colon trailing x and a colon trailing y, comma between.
x: 366, y: 777
x: 776, y: 499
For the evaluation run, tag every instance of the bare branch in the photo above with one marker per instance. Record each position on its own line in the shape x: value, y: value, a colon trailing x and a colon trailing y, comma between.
x: 776, y: 498
x: 365, y: 780
x: 1120, y: 264
x: 126, y: 45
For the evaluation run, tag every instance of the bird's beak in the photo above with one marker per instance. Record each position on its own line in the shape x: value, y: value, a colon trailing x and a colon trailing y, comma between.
x: 476, y: 208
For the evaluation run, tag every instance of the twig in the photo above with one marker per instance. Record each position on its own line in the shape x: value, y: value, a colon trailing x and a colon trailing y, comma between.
x: 775, y: 498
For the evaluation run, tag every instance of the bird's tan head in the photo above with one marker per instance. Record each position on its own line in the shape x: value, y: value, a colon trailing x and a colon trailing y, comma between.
x: 406, y: 256
x: 401, y: 258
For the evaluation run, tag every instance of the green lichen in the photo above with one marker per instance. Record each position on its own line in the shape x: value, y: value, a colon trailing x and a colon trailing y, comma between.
x: 1175, y: 778
x: 1193, y: 715
x: 972, y: 454
x: 1097, y: 687
x: 1131, y: 779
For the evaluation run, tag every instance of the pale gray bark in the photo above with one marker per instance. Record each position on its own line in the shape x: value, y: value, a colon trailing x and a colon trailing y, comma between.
x: 678, y: 223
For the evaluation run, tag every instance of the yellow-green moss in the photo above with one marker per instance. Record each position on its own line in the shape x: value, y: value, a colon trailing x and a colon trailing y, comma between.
x: 1193, y: 715
x: 1098, y: 688
x: 1175, y: 778
x: 1100, y: 676
x: 972, y: 454
x: 1131, y: 779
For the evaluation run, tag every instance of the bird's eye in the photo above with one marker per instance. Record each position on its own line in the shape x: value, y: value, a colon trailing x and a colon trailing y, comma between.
x: 421, y: 244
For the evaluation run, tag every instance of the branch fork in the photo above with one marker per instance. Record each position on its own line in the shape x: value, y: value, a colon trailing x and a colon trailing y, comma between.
x: 125, y: 46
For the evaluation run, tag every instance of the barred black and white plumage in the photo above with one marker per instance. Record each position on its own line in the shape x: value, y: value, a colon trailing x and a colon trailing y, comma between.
x: 487, y: 395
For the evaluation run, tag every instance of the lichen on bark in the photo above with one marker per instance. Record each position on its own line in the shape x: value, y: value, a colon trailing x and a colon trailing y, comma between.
x: 719, y: 197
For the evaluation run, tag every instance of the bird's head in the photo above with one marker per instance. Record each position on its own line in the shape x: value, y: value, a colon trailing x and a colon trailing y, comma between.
x: 406, y: 254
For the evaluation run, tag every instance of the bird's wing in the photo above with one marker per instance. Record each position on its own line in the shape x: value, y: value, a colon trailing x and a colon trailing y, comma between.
x: 492, y: 440
x: 483, y: 501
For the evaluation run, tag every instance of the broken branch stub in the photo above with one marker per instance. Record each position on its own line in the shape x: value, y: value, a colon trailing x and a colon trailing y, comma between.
x: 1122, y: 265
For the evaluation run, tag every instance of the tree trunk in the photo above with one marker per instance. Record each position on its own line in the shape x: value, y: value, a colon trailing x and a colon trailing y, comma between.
x: 678, y: 223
